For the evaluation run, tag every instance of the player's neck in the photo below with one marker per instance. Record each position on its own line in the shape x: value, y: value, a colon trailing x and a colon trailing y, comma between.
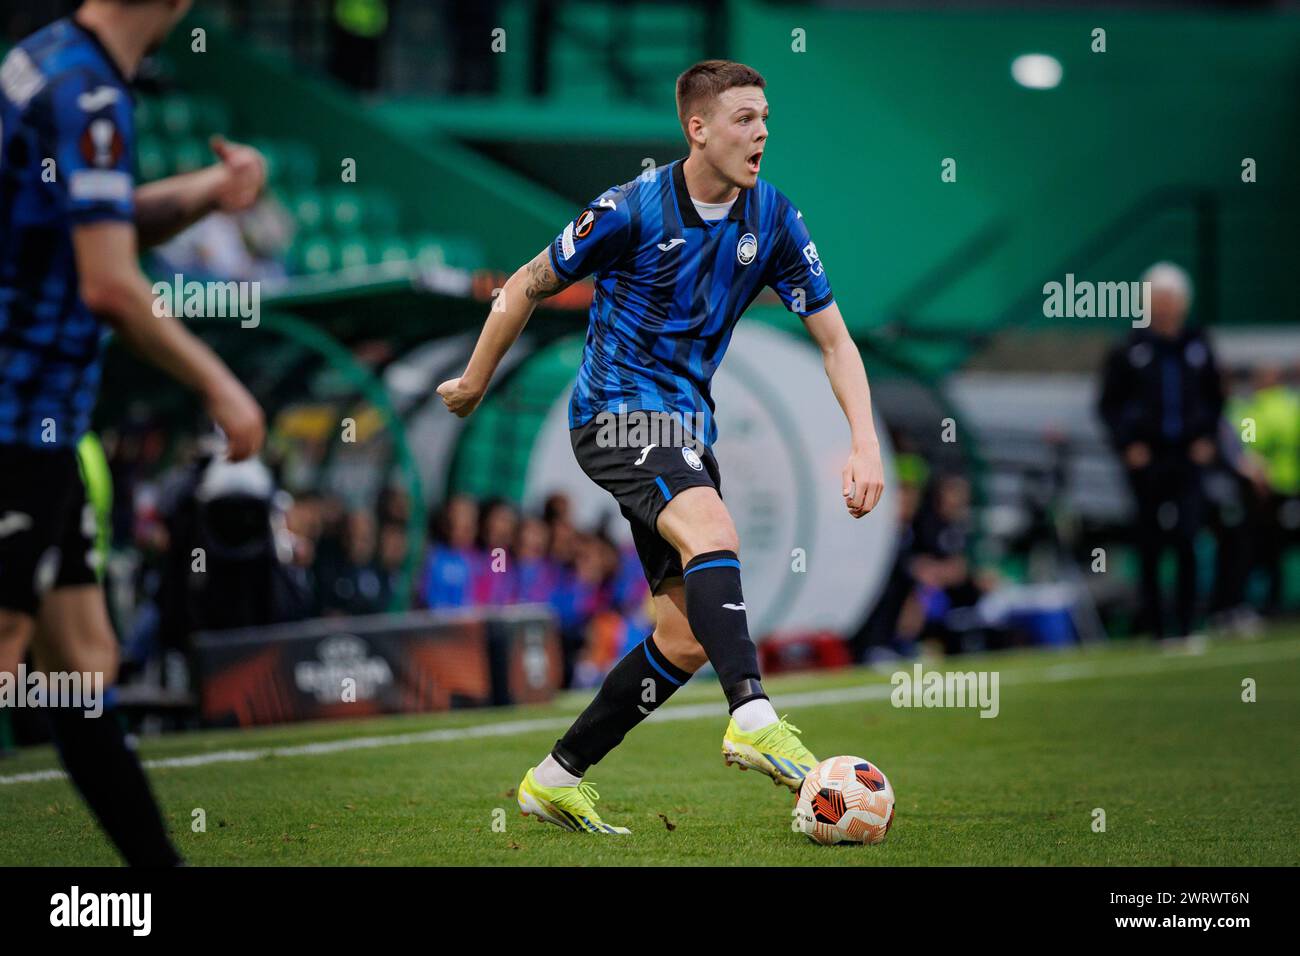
x: 704, y: 184
x: 125, y: 39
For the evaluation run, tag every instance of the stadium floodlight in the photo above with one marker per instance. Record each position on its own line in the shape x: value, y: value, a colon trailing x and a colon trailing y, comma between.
x: 1036, y: 71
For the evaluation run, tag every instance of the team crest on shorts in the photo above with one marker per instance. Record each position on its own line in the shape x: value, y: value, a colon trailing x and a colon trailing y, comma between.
x: 747, y: 248
x: 692, y: 459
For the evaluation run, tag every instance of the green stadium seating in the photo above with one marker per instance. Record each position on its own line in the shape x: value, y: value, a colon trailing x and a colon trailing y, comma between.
x: 338, y: 227
x: 392, y: 249
x: 353, y: 252
x: 189, y: 154
x: 313, y: 256
x: 344, y: 210
x: 152, y: 160
x: 308, y: 209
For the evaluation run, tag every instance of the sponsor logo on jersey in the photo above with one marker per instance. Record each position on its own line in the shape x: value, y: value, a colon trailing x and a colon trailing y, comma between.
x: 814, y: 260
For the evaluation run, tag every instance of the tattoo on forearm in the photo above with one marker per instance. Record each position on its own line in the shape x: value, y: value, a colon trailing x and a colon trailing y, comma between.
x: 158, y: 219
x: 542, y: 280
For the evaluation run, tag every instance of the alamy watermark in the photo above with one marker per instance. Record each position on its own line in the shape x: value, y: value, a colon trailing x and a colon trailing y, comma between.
x: 644, y: 429
x: 76, y: 690
x: 921, y: 688
x: 209, y: 300
x: 1098, y: 300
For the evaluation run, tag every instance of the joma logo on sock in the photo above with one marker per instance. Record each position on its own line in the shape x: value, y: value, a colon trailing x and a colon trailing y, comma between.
x: 946, y: 689
x: 134, y: 910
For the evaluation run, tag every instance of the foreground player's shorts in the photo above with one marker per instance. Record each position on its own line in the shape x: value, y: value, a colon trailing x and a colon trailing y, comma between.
x: 47, y: 528
x: 642, y: 481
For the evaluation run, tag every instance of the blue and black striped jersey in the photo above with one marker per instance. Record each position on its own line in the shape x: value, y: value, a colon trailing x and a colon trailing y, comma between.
x: 66, y: 148
x: 670, y: 288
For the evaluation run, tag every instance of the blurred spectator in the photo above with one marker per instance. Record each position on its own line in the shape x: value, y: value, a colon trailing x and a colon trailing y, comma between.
x: 357, y: 31
x: 538, y: 576
x: 1270, y: 418
x: 393, y: 546
x: 244, y: 247
x: 357, y: 584
x: 882, y: 627
x: 1161, y: 400
x: 452, y: 556
x: 494, y: 579
x: 945, y: 582
x: 1234, y: 492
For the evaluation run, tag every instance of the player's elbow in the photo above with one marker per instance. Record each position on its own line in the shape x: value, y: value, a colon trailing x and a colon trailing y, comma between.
x: 109, y: 297
x: 100, y: 295
x: 836, y: 346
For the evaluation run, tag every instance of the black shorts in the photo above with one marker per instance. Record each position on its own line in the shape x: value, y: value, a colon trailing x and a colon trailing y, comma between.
x: 642, y: 481
x: 47, y: 528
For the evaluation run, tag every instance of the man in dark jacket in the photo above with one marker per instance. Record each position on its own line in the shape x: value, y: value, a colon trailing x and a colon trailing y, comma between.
x: 1161, y: 400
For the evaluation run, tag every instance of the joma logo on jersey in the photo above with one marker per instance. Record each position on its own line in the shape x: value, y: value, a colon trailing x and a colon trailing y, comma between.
x: 747, y: 248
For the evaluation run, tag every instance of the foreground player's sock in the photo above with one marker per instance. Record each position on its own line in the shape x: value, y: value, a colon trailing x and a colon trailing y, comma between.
x: 637, y: 685
x: 754, y: 715
x: 113, y: 784
x: 715, y: 609
x: 549, y: 773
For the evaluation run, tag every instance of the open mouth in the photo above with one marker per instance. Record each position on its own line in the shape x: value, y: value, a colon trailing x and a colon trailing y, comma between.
x: 754, y: 160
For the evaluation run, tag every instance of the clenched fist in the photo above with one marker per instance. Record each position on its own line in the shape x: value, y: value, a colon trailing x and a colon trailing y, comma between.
x: 459, y: 396
x: 863, y: 481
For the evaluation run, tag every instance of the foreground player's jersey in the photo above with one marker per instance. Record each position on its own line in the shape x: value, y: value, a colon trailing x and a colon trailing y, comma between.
x: 670, y: 288
x: 65, y: 160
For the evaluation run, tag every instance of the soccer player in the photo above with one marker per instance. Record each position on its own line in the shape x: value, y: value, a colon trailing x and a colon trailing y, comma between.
x: 71, y: 221
x: 678, y: 255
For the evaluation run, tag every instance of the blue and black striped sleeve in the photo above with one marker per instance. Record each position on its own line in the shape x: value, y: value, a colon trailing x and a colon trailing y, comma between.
x: 595, y: 239
x: 87, y: 128
x: 795, y: 271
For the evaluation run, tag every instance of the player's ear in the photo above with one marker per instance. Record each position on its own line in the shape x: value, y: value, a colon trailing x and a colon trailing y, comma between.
x: 696, y: 130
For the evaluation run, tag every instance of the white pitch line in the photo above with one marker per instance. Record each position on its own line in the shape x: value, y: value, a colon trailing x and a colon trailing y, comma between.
x: 818, y: 698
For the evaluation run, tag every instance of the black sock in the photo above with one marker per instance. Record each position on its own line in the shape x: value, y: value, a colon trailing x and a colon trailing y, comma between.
x: 715, y: 609
x: 113, y: 784
x: 636, y: 686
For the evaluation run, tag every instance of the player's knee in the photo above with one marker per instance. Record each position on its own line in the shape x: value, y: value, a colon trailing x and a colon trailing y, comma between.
x: 681, y: 648
x: 710, y: 539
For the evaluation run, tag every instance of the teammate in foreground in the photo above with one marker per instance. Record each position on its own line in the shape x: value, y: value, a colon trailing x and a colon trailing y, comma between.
x: 678, y: 255
x: 71, y: 221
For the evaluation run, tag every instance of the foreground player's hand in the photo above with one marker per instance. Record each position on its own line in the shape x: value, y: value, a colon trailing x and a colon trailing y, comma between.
x: 863, y: 481
x: 237, y: 414
x: 244, y: 174
x: 459, y: 397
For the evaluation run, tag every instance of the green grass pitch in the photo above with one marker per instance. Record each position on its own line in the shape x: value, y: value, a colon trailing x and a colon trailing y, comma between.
x: 1185, y: 770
